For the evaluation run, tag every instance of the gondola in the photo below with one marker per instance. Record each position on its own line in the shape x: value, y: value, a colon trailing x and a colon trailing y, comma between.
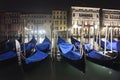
x: 10, y: 55
x: 28, y: 48
x: 115, y: 45
x: 26, y: 61
x: 113, y: 40
x: 2, y: 44
x: 39, y: 55
x: 8, y: 58
x: 45, y: 46
x: 9, y: 50
x: 36, y: 57
x: 40, y: 52
x: 35, y: 60
x: 99, y: 57
x: 88, y: 47
x: 6, y: 46
x: 75, y: 58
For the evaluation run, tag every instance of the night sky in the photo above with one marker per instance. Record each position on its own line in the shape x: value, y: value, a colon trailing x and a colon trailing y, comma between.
x: 48, y: 5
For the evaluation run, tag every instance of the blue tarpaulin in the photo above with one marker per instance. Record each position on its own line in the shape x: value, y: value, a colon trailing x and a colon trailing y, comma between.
x: 98, y: 55
x: 67, y: 50
x: 7, y: 55
x: 37, y: 56
x: 44, y: 46
x: 28, y: 46
x: 114, y: 44
x: 76, y: 43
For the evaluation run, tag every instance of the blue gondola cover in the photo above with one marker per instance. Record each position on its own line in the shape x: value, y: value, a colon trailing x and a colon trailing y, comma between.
x: 37, y: 56
x: 28, y: 46
x: 108, y: 44
x: 98, y: 55
x: 44, y: 46
x: 67, y: 50
x: 76, y: 43
x: 7, y: 55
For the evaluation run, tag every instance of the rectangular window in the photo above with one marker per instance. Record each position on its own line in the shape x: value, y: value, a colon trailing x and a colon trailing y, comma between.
x: 73, y: 14
x: 64, y: 28
x: 73, y: 30
x: 106, y: 16
x: 60, y: 27
x: 64, y: 22
x: 64, y: 17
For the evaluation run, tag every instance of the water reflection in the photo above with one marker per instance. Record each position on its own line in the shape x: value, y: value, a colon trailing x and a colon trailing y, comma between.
x: 59, y: 70
x: 100, y: 72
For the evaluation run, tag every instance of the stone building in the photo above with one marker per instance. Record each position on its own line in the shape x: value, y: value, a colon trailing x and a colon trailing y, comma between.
x: 38, y: 25
x: 84, y: 20
x: 9, y: 25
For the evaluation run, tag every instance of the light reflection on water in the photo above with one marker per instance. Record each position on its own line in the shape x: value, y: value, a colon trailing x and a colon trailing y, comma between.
x: 101, y: 72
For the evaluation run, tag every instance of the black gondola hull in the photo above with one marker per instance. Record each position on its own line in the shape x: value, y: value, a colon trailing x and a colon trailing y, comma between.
x: 30, y: 66
x: 79, y: 64
x: 107, y: 63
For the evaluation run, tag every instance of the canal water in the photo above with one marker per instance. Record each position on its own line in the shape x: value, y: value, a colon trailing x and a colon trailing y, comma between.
x: 58, y: 70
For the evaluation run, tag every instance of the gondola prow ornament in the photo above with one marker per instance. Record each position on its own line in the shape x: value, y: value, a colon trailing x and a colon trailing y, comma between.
x: 18, y: 51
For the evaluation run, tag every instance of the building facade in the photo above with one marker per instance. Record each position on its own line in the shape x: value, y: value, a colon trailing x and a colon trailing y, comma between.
x: 111, y: 20
x: 38, y: 25
x: 84, y: 20
x: 9, y: 25
x: 59, y: 22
